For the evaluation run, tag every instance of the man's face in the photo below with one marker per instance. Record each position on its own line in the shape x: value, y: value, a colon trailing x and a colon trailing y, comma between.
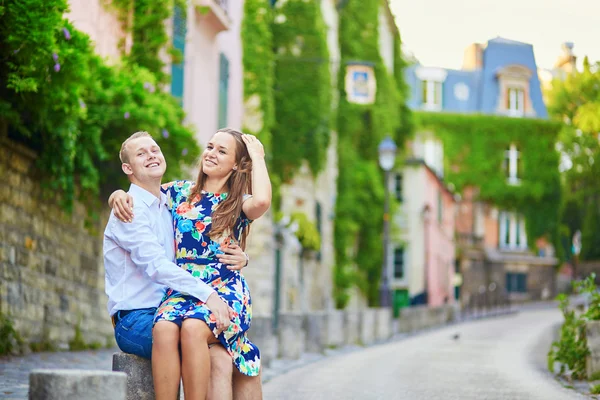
x: 146, y: 161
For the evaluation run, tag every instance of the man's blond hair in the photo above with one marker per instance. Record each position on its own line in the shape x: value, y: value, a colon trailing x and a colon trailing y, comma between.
x: 123, y: 155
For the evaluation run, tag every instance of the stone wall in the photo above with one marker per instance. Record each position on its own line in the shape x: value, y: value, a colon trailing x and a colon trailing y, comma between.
x: 51, y: 271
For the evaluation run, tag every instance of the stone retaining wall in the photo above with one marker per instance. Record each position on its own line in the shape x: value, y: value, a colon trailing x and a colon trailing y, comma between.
x: 51, y: 271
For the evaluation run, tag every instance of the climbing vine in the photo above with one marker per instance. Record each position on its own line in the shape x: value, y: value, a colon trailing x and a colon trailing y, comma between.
x: 474, y: 151
x: 359, y: 206
x: 62, y: 100
x: 302, y: 88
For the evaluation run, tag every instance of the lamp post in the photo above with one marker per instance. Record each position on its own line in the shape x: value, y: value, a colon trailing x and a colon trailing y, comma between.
x: 387, y: 158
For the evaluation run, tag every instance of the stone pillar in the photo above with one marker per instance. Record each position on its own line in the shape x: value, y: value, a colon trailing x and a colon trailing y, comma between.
x: 367, y: 326
x: 352, y: 327
x: 140, y: 385
x: 73, y: 384
x: 383, y: 324
x: 592, y: 331
x: 291, y: 335
x: 335, y: 329
x: 316, y: 331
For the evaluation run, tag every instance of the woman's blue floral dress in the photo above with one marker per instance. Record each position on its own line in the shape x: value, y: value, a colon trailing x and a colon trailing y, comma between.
x: 196, y: 253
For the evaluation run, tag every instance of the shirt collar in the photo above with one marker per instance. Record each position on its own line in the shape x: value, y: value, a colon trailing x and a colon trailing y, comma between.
x: 147, y: 197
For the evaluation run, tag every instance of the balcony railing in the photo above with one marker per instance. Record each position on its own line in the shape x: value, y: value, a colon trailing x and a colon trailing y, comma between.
x: 469, y: 240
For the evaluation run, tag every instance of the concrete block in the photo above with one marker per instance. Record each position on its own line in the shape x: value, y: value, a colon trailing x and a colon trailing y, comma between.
x: 592, y: 329
x: 383, y: 323
x: 73, y: 384
x: 261, y: 334
x: 140, y: 385
x: 352, y: 326
x: 367, y: 326
x: 315, y: 324
x: 292, y: 337
x: 335, y: 335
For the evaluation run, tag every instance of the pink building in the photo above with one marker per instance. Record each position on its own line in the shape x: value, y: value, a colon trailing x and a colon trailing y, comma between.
x: 424, y: 248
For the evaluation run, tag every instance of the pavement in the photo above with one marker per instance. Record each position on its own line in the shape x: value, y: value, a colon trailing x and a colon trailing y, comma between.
x: 496, y: 358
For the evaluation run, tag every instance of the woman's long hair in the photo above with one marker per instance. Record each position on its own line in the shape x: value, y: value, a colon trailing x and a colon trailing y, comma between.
x: 226, y: 214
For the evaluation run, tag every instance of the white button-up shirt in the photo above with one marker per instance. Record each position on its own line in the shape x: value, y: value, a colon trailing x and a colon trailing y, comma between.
x: 138, y: 257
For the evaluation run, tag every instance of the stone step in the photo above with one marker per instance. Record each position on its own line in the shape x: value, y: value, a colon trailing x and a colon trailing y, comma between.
x: 74, y: 384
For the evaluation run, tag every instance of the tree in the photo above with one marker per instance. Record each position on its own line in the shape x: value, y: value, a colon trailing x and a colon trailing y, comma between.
x: 576, y: 101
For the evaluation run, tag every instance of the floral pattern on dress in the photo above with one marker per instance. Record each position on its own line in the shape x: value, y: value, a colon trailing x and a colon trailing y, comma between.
x: 196, y: 253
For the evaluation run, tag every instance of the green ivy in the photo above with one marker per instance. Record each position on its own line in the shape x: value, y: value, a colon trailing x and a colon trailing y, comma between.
x: 259, y: 69
x: 307, y: 232
x: 360, y: 197
x: 61, y: 99
x: 302, y: 88
x: 474, y: 151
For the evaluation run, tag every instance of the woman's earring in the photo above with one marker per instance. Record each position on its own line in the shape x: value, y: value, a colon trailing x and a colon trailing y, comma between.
x: 235, y: 168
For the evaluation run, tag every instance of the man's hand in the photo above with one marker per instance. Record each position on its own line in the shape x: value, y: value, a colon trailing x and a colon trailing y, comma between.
x: 222, y: 312
x: 122, y: 205
x: 234, y: 257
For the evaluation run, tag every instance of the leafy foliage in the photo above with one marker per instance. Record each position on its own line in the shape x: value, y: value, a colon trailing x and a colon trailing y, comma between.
x: 576, y: 101
x: 570, y: 350
x: 302, y: 88
x: 65, y: 102
x: 307, y: 232
x: 359, y: 205
x: 474, y: 151
x: 10, y: 340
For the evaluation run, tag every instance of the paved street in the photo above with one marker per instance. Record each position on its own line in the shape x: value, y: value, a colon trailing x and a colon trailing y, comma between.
x: 501, y: 358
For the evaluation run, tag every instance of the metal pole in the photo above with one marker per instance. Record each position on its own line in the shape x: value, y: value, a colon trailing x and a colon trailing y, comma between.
x: 276, y: 303
x: 385, y: 296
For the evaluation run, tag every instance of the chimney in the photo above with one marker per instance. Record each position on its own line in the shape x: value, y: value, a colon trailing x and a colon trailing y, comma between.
x: 566, y: 62
x: 473, y: 58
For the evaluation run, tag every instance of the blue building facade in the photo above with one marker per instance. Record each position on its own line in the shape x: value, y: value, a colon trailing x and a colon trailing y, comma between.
x: 497, y: 78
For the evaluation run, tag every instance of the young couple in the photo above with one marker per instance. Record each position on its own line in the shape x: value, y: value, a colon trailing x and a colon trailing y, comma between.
x: 172, y: 256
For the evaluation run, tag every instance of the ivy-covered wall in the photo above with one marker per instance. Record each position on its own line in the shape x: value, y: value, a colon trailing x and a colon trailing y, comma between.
x: 302, y: 88
x: 359, y: 208
x: 474, y: 151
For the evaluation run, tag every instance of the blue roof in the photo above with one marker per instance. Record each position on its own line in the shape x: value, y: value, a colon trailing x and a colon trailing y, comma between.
x: 481, y: 85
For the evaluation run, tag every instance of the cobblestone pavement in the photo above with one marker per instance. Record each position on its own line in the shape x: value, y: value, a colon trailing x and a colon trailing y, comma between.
x: 495, y: 359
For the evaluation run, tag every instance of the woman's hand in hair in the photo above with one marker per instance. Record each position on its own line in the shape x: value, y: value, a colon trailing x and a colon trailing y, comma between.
x: 254, y: 146
x: 122, y: 205
x: 234, y: 257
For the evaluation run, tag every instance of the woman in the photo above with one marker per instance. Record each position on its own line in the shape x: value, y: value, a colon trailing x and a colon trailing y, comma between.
x: 232, y: 189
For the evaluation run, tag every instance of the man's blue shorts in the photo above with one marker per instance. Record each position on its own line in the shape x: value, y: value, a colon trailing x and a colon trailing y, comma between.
x: 133, y: 331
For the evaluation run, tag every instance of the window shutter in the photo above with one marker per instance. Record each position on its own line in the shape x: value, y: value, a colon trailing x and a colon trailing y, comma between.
x: 223, y: 89
x: 177, y: 70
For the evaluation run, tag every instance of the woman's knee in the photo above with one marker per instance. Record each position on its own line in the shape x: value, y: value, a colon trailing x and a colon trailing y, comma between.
x: 195, y: 331
x: 165, y: 333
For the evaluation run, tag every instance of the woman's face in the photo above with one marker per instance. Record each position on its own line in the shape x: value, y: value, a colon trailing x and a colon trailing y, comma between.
x: 218, y: 159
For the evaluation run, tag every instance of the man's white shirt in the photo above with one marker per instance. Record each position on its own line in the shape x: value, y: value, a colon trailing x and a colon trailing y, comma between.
x: 138, y: 257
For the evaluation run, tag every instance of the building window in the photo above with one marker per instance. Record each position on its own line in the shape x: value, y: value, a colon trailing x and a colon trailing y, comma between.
x: 432, y: 95
x: 177, y: 70
x: 516, y: 282
x: 223, y: 89
x: 512, y: 231
x: 398, y: 187
x: 515, y: 101
x: 512, y: 164
x: 399, y: 263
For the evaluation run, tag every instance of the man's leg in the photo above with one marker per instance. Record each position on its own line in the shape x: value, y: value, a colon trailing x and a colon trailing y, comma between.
x: 133, y: 332
x: 221, y: 368
x: 246, y: 387
x: 166, y: 365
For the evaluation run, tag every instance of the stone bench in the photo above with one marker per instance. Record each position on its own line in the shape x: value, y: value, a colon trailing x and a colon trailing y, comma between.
x: 73, y: 384
x: 140, y: 385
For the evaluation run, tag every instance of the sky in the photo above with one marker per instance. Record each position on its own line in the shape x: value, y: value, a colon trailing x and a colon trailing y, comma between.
x: 438, y: 31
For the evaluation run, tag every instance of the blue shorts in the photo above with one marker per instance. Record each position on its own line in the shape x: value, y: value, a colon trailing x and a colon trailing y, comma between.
x: 133, y: 332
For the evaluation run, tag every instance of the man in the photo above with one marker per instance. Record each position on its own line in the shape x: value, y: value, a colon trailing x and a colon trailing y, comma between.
x: 138, y: 258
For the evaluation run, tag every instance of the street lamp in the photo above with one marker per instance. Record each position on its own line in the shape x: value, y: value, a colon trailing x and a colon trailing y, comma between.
x: 387, y: 158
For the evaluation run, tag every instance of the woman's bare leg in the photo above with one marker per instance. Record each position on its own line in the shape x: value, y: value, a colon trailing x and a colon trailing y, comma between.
x: 221, y: 370
x: 195, y: 356
x: 166, y: 364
